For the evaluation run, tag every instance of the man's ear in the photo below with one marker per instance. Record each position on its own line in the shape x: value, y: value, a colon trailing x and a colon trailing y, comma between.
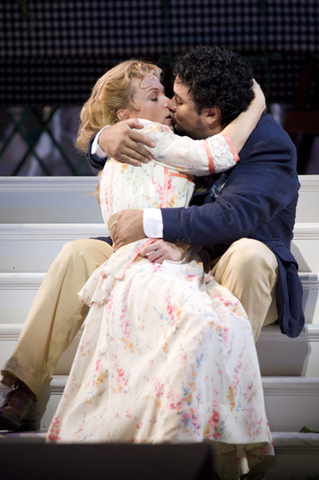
x: 212, y: 116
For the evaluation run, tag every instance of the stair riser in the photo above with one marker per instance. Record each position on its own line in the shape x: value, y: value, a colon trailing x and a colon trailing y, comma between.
x: 291, y: 403
x: 277, y: 357
x: 304, y: 247
x: 70, y: 200
x: 9, y: 335
x: 17, y: 292
x: 288, y: 408
x: 307, y: 208
x: 310, y: 297
x: 49, y: 200
x: 282, y: 356
x: 294, y: 464
x: 32, y: 248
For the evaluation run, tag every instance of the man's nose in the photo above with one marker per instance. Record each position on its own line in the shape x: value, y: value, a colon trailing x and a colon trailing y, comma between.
x: 171, y: 104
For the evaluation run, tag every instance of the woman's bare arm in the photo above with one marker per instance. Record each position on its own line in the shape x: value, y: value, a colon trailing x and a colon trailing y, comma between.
x: 240, y: 129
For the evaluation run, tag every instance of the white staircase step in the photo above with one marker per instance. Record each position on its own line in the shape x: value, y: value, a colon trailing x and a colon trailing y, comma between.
x: 310, y: 296
x: 278, y: 355
x: 291, y: 403
x: 9, y: 334
x: 49, y: 200
x: 308, y: 203
x: 17, y: 291
x: 281, y: 356
x: 33, y: 247
x: 70, y: 200
x: 304, y: 246
x: 296, y: 457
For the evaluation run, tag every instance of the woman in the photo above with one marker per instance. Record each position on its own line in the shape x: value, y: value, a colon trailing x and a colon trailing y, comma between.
x: 159, y: 360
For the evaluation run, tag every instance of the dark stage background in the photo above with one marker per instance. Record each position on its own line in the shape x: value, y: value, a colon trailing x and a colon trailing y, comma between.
x: 52, y: 52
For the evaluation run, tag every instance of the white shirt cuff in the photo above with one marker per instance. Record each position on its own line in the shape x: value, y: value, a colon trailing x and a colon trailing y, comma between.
x: 96, y: 149
x: 153, y: 223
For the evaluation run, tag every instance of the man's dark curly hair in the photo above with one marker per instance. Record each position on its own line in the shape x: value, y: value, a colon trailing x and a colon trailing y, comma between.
x: 216, y: 77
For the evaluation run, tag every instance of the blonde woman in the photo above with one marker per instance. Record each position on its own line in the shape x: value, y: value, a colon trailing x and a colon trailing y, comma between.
x: 160, y: 360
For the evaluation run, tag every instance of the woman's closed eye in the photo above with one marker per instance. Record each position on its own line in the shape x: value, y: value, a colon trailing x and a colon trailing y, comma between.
x: 154, y: 99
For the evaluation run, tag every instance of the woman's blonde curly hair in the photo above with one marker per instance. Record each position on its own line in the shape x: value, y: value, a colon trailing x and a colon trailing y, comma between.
x: 111, y: 93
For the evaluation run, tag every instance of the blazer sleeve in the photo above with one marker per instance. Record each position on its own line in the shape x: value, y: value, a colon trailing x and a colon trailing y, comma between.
x: 96, y: 163
x: 258, y: 188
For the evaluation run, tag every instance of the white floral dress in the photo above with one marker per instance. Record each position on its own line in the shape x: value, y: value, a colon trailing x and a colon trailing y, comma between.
x: 160, y: 360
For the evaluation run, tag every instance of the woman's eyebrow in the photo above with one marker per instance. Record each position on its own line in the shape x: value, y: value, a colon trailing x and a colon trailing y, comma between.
x: 151, y: 89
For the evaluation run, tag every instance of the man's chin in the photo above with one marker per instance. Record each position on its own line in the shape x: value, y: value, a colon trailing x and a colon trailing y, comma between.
x: 180, y: 131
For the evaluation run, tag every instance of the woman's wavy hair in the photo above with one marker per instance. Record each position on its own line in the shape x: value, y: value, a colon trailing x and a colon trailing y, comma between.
x: 216, y: 77
x: 112, y: 92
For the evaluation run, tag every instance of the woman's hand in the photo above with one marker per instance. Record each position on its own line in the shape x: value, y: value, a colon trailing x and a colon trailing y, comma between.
x: 124, y: 144
x: 259, y: 95
x: 160, y: 250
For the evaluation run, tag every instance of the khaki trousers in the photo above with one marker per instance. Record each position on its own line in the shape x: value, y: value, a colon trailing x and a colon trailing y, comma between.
x: 248, y: 269
x: 56, y: 314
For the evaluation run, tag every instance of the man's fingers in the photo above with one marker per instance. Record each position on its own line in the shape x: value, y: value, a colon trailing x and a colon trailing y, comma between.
x: 133, y: 123
x: 155, y: 257
x: 137, y: 151
x: 140, y: 138
x: 137, y: 123
x: 145, y: 251
x: 130, y: 161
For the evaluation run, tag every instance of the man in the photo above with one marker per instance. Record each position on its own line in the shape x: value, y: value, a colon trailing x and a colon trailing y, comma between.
x: 244, y: 218
x: 247, y: 216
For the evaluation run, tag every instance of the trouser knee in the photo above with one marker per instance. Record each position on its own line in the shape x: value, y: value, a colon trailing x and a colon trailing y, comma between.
x: 86, y: 254
x: 248, y: 255
x: 75, y: 250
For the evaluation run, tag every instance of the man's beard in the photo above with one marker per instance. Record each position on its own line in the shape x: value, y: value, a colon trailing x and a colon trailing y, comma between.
x: 195, y: 134
x: 180, y: 131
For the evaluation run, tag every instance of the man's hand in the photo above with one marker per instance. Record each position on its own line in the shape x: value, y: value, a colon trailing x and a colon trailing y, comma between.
x: 160, y: 250
x: 128, y: 228
x: 121, y: 142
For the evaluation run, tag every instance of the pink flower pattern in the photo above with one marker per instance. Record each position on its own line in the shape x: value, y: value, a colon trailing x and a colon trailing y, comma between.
x: 160, y: 359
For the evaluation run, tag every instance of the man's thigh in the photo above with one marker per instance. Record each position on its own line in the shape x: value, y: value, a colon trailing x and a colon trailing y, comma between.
x: 249, y: 270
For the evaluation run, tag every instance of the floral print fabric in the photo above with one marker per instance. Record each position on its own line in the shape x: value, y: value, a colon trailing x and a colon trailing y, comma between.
x: 160, y: 360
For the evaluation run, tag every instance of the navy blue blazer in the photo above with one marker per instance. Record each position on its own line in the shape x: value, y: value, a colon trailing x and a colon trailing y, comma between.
x: 258, y: 200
